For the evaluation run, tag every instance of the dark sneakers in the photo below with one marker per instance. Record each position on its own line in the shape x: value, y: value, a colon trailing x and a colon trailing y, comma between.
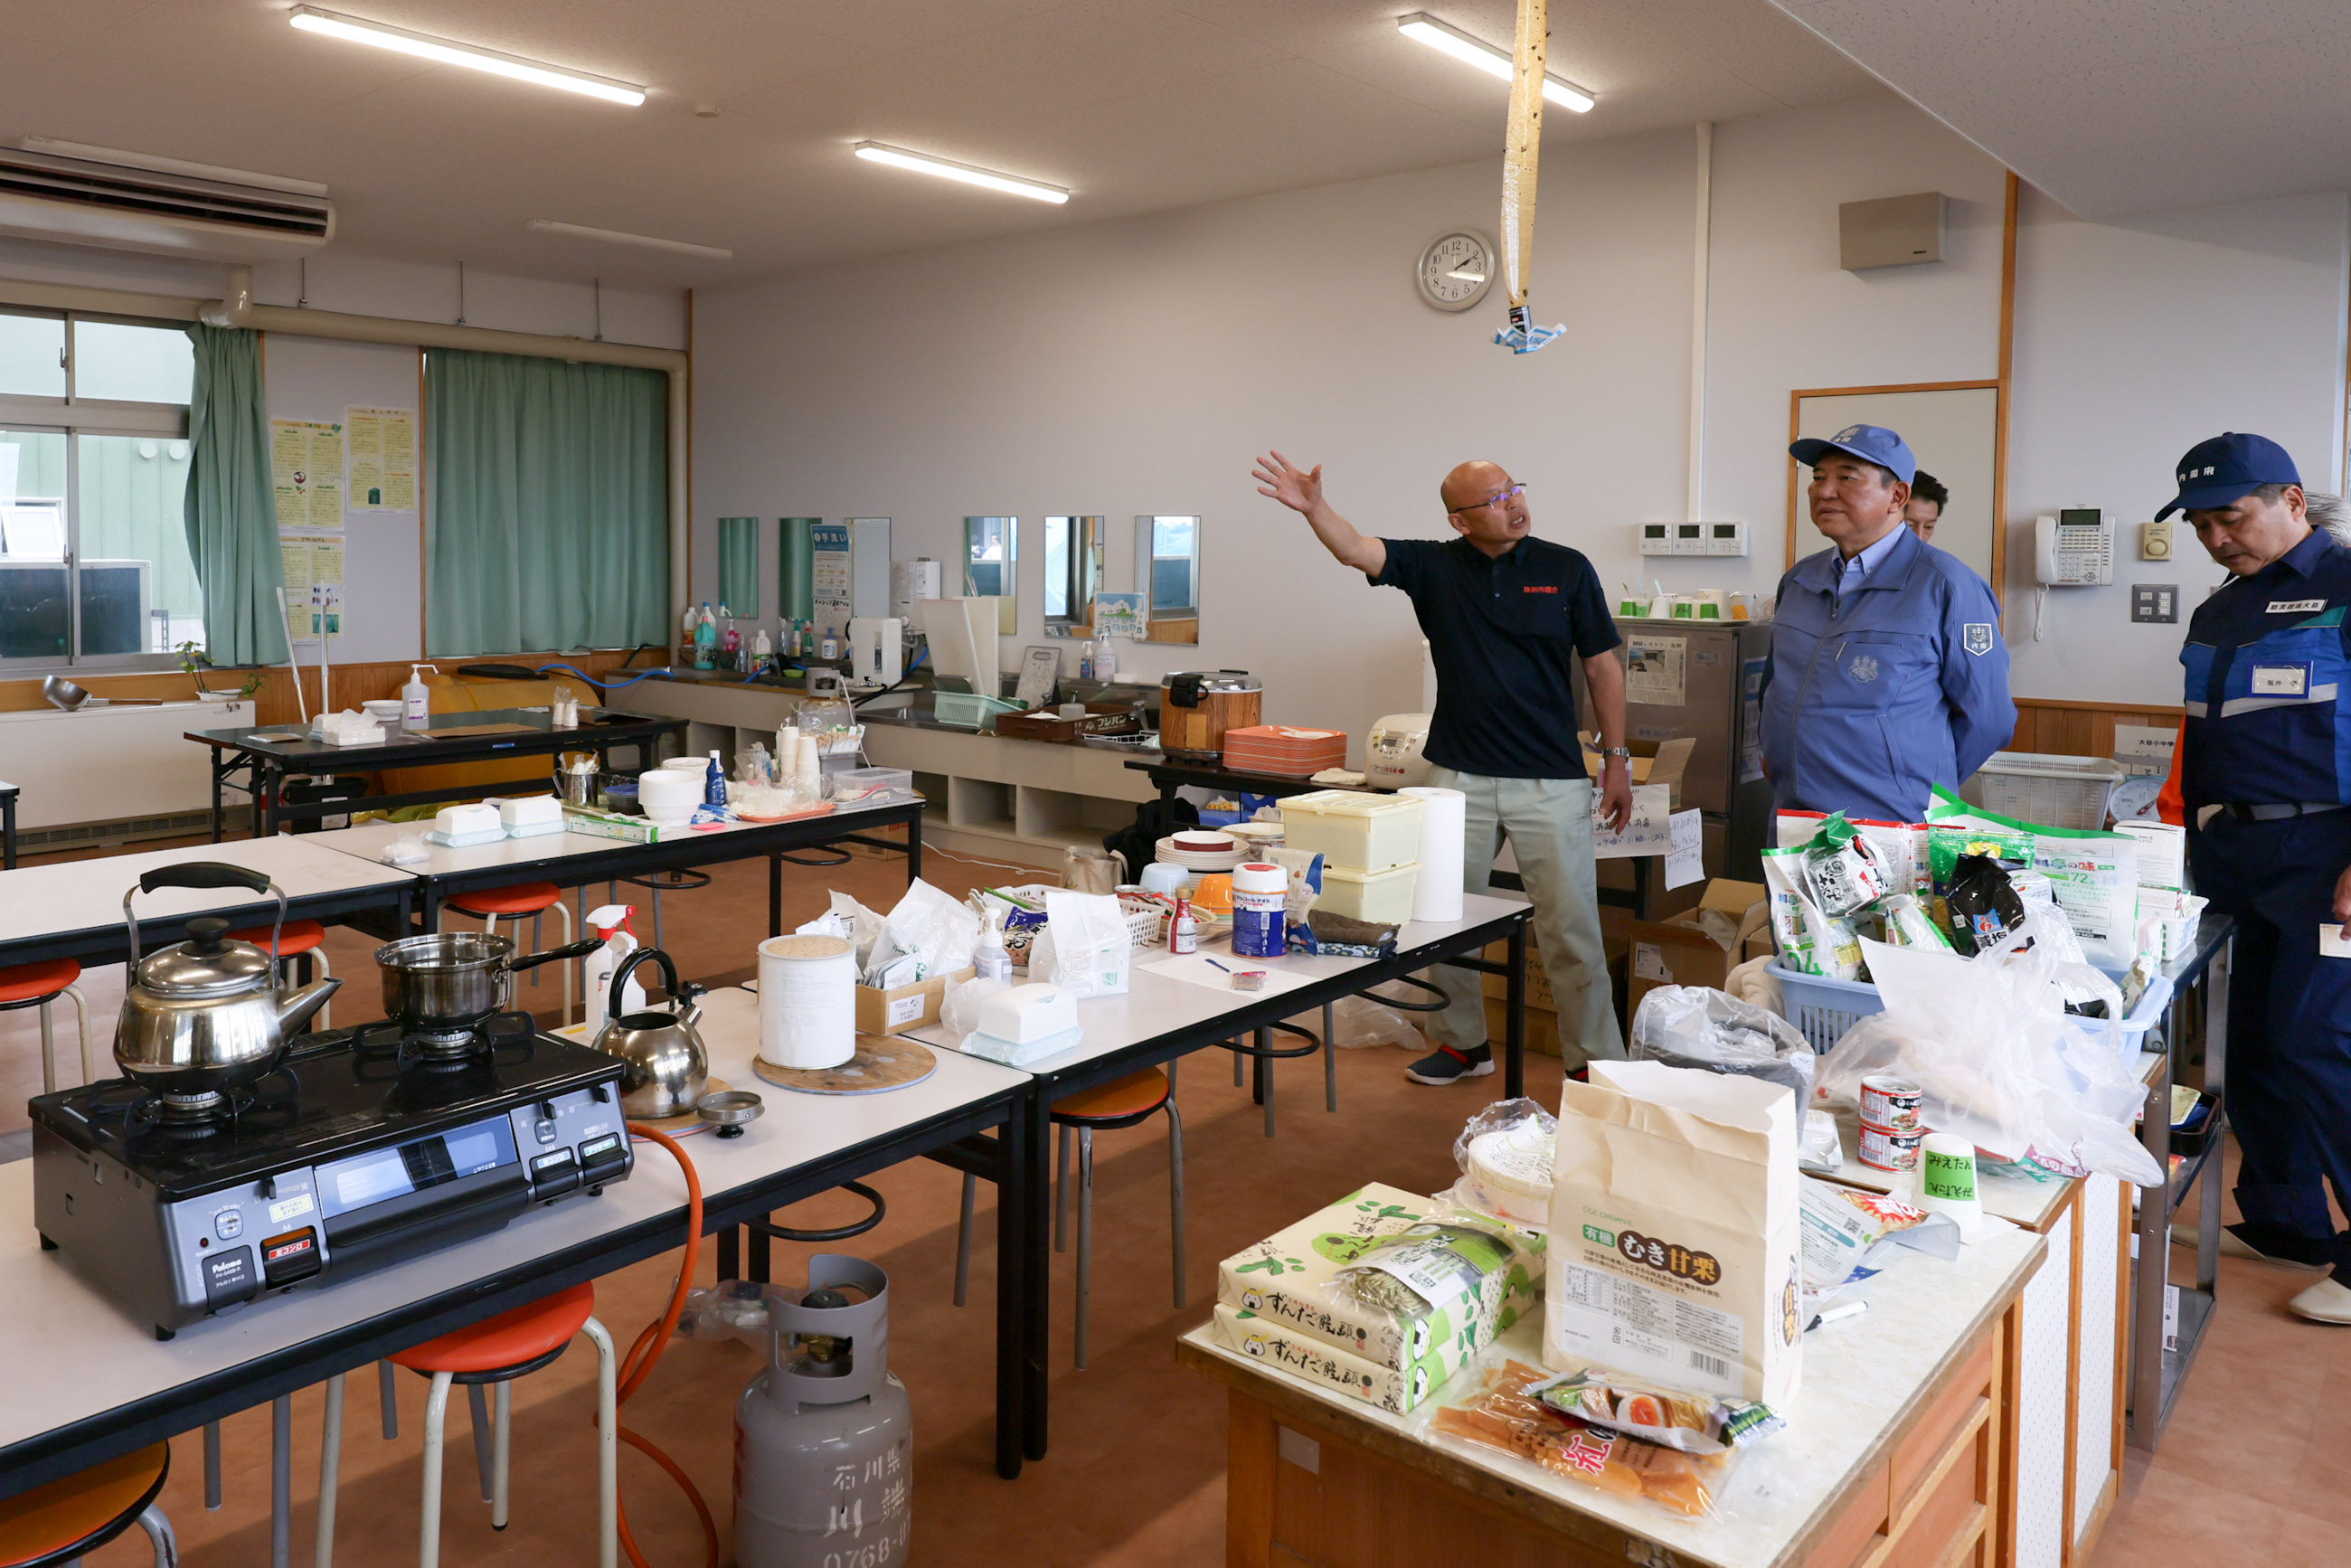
x: 1446, y: 1065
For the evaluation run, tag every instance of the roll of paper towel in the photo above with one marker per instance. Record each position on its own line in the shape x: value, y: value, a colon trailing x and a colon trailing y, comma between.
x: 1444, y: 829
x: 807, y: 1002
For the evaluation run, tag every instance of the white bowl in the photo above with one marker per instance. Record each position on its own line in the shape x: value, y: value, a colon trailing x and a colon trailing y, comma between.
x: 667, y: 795
x: 384, y: 710
x: 697, y: 766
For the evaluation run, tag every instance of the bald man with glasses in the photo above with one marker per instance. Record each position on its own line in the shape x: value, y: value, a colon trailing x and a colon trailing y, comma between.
x: 1508, y: 618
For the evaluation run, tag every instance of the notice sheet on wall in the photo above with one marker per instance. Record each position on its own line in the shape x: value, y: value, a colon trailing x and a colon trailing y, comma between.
x: 829, y: 593
x: 305, y: 473
x: 382, y: 473
x: 1657, y: 670
x: 314, y: 586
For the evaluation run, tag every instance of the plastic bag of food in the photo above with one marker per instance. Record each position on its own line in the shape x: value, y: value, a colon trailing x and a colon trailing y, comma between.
x: 1783, y: 877
x: 1997, y: 1060
x: 1084, y: 947
x: 937, y: 932
x: 1669, y: 1418
x: 1981, y: 908
x: 1843, y: 873
x: 1504, y: 1154
x: 1848, y: 1234
x: 1693, y: 1026
x: 1906, y: 924
x: 1502, y: 1415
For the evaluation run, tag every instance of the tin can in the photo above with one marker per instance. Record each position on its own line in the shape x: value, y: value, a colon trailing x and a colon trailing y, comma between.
x: 1890, y: 1103
x: 1883, y: 1149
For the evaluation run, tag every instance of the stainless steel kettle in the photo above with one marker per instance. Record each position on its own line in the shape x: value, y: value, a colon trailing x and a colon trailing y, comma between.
x: 208, y: 1014
x: 666, y: 1067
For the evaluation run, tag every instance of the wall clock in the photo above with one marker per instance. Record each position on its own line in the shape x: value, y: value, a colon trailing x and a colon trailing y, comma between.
x: 1456, y: 270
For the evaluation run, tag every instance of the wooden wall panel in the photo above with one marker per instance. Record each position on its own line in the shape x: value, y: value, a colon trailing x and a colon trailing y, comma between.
x: 2081, y: 729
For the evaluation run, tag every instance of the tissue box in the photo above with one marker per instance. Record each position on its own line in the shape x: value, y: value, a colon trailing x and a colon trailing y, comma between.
x: 528, y: 814
x: 1273, y: 1302
x: 902, y: 1008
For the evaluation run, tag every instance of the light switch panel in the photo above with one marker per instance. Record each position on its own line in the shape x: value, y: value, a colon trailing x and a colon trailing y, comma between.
x: 2157, y: 602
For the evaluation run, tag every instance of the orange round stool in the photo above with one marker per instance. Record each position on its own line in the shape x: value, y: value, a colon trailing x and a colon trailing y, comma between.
x: 39, y: 986
x: 303, y: 939
x: 1105, y: 1108
x: 513, y: 902
x: 60, y: 1522
x: 493, y: 1352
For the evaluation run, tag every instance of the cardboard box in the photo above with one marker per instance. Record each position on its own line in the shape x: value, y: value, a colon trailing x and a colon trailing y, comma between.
x: 1274, y: 1303
x: 1542, y: 1027
x: 1653, y: 761
x: 1679, y: 952
x: 902, y: 1008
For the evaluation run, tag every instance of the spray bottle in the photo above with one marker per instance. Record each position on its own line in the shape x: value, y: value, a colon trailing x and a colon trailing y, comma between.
x: 989, y: 958
x: 730, y: 641
x: 416, y: 699
x: 611, y: 924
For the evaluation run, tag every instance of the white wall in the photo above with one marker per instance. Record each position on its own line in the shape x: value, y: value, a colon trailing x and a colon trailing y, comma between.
x: 2134, y: 342
x: 1137, y: 364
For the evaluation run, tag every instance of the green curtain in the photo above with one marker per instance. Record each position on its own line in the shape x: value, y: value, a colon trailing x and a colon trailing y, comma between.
x: 548, y: 522
x: 231, y: 515
x: 739, y: 565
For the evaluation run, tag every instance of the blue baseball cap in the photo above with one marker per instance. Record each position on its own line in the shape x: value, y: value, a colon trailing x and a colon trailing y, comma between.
x: 2229, y: 468
x: 1870, y: 443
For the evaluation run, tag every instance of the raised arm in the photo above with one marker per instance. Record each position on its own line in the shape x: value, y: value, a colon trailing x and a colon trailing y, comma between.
x: 1301, y: 489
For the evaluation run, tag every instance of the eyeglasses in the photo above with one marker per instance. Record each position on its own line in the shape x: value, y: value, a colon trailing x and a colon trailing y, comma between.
x: 1496, y: 498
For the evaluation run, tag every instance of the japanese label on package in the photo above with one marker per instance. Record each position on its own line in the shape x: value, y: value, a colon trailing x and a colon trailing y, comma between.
x: 1676, y: 1242
x: 1276, y: 1343
x: 1453, y: 1282
x: 1901, y: 845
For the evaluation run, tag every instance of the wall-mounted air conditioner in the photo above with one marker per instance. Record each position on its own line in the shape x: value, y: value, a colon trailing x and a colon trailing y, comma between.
x: 123, y: 202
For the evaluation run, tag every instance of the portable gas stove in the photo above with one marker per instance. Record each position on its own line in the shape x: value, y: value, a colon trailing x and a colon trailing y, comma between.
x: 363, y: 1147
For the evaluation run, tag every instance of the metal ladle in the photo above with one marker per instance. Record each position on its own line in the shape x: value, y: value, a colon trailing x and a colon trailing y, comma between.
x: 73, y: 698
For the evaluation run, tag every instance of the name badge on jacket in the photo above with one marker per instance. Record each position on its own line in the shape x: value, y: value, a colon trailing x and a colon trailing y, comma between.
x: 2297, y: 606
x: 2288, y: 680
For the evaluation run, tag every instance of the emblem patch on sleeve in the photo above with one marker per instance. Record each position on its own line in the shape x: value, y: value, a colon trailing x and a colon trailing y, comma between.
x: 1976, y: 637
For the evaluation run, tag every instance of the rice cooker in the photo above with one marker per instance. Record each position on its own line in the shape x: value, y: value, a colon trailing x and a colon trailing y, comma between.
x: 1392, y: 753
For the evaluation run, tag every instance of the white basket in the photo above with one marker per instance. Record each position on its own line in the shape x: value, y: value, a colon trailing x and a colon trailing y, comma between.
x: 2042, y: 788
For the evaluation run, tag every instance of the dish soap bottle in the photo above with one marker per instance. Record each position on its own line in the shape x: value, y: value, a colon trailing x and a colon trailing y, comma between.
x: 989, y: 960
x: 1106, y: 662
x: 1086, y: 661
x: 415, y: 698
x: 706, y: 639
x: 714, y: 786
x: 685, y: 639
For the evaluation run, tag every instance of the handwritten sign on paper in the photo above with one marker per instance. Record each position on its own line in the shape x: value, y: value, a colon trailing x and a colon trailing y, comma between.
x: 1686, y: 861
x: 1649, y: 832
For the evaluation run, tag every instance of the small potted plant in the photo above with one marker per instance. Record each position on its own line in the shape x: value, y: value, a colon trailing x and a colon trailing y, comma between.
x: 193, y: 663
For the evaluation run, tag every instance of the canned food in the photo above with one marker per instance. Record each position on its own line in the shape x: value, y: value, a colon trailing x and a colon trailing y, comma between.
x: 1890, y: 1103
x: 1883, y: 1149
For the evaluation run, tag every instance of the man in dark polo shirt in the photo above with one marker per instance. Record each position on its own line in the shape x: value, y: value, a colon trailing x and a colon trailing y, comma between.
x: 1508, y: 617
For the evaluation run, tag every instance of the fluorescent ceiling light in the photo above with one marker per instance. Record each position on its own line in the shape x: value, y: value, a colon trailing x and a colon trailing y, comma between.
x: 1423, y: 29
x: 948, y: 168
x: 310, y: 19
x: 617, y: 236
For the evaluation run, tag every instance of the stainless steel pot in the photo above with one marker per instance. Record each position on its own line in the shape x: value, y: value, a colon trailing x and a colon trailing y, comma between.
x: 207, y: 1014
x: 454, y: 979
x: 666, y: 1067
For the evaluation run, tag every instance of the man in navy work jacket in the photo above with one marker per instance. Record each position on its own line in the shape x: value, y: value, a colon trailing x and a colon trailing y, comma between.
x: 1509, y: 617
x: 1888, y: 674
x: 2265, y: 773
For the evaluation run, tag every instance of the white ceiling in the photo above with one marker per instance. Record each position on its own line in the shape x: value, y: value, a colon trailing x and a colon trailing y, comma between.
x: 1137, y: 105
x: 2117, y: 107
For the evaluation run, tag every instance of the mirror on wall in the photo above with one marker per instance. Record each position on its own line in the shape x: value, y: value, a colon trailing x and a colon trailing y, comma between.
x: 991, y: 567
x: 739, y: 565
x: 1168, y: 575
x: 1074, y: 549
x: 1952, y: 429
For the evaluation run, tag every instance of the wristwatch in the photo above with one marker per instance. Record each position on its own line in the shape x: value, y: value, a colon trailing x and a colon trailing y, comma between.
x: 1623, y: 751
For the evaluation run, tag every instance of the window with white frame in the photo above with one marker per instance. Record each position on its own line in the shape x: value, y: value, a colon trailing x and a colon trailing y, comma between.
x: 94, y: 564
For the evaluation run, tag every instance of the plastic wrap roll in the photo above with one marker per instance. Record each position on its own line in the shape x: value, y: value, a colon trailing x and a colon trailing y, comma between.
x: 807, y: 1002
x: 1444, y: 834
x: 796, y: 568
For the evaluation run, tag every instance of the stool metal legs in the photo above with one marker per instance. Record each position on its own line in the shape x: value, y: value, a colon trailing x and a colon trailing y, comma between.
x: 212, y: 1467
x: 49, y: 1038
x: 963, y: 1239
x: 478, y: 1406
x: 386, y: 1397
x: 1085, y: 1227
x: 281, y: 1480
x: 563, y: 913
x: 1175, y: 1190
x: 330, y: 1470
x: 608, y: 1448
x: 160, y: 1537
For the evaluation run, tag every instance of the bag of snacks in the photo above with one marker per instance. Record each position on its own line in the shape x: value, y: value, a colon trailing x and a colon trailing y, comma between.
x: 1505, y: 1414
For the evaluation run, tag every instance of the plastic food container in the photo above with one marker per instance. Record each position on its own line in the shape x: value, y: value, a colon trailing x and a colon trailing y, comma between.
x: 1376, y: 897
x: 852, y: 785
x: 1350, y: 829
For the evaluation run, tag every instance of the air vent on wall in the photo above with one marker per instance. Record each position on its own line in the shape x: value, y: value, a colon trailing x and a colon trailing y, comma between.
x: 122, y: 207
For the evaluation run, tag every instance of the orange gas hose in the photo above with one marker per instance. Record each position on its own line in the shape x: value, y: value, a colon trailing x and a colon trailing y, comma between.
x: 647, y: 1350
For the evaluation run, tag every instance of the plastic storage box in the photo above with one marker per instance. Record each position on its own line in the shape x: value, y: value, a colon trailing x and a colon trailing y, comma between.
x: 870, y: 785
x: 969, y: 710
x: 2043, y: 788
x: 1377, y: 897
x: 1349, y: 827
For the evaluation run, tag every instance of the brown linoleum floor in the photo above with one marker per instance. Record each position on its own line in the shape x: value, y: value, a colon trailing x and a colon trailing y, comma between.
x: 2252, y: 1471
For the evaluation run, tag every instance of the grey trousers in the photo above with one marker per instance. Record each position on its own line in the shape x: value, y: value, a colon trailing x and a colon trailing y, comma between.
x: 1549, y: 824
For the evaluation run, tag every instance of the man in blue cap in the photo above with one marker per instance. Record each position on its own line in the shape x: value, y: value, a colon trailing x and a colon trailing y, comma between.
x: 1888, y: 674
x: 2265, y: 772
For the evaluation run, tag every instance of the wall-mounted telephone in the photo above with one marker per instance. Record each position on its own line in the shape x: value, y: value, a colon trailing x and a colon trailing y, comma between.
x: 2076, y: 548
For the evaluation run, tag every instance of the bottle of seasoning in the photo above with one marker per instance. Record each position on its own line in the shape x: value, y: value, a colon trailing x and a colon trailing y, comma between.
x: 1183, y: 932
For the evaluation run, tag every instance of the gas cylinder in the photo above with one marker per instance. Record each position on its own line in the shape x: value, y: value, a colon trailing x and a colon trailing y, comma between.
x: 824, y: 1443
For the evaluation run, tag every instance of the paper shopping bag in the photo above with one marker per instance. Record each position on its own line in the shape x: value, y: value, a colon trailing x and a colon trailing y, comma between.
x: 1676, y: 1241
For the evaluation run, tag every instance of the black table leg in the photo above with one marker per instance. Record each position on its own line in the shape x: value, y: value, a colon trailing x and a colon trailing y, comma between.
x: 776, y: 894
x: 1033, y: 1143
x: 1012, y: 1304
x: 1514, y: 1016
x: 761, y: 1262
x: 730, y: 1254
x: 913, y: 848
x: 219, y: 762
x: 8, y: 826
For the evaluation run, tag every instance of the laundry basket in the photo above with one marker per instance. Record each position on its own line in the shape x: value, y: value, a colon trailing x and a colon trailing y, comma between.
x: 1823, y: 1009
x: 2038, y: 787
